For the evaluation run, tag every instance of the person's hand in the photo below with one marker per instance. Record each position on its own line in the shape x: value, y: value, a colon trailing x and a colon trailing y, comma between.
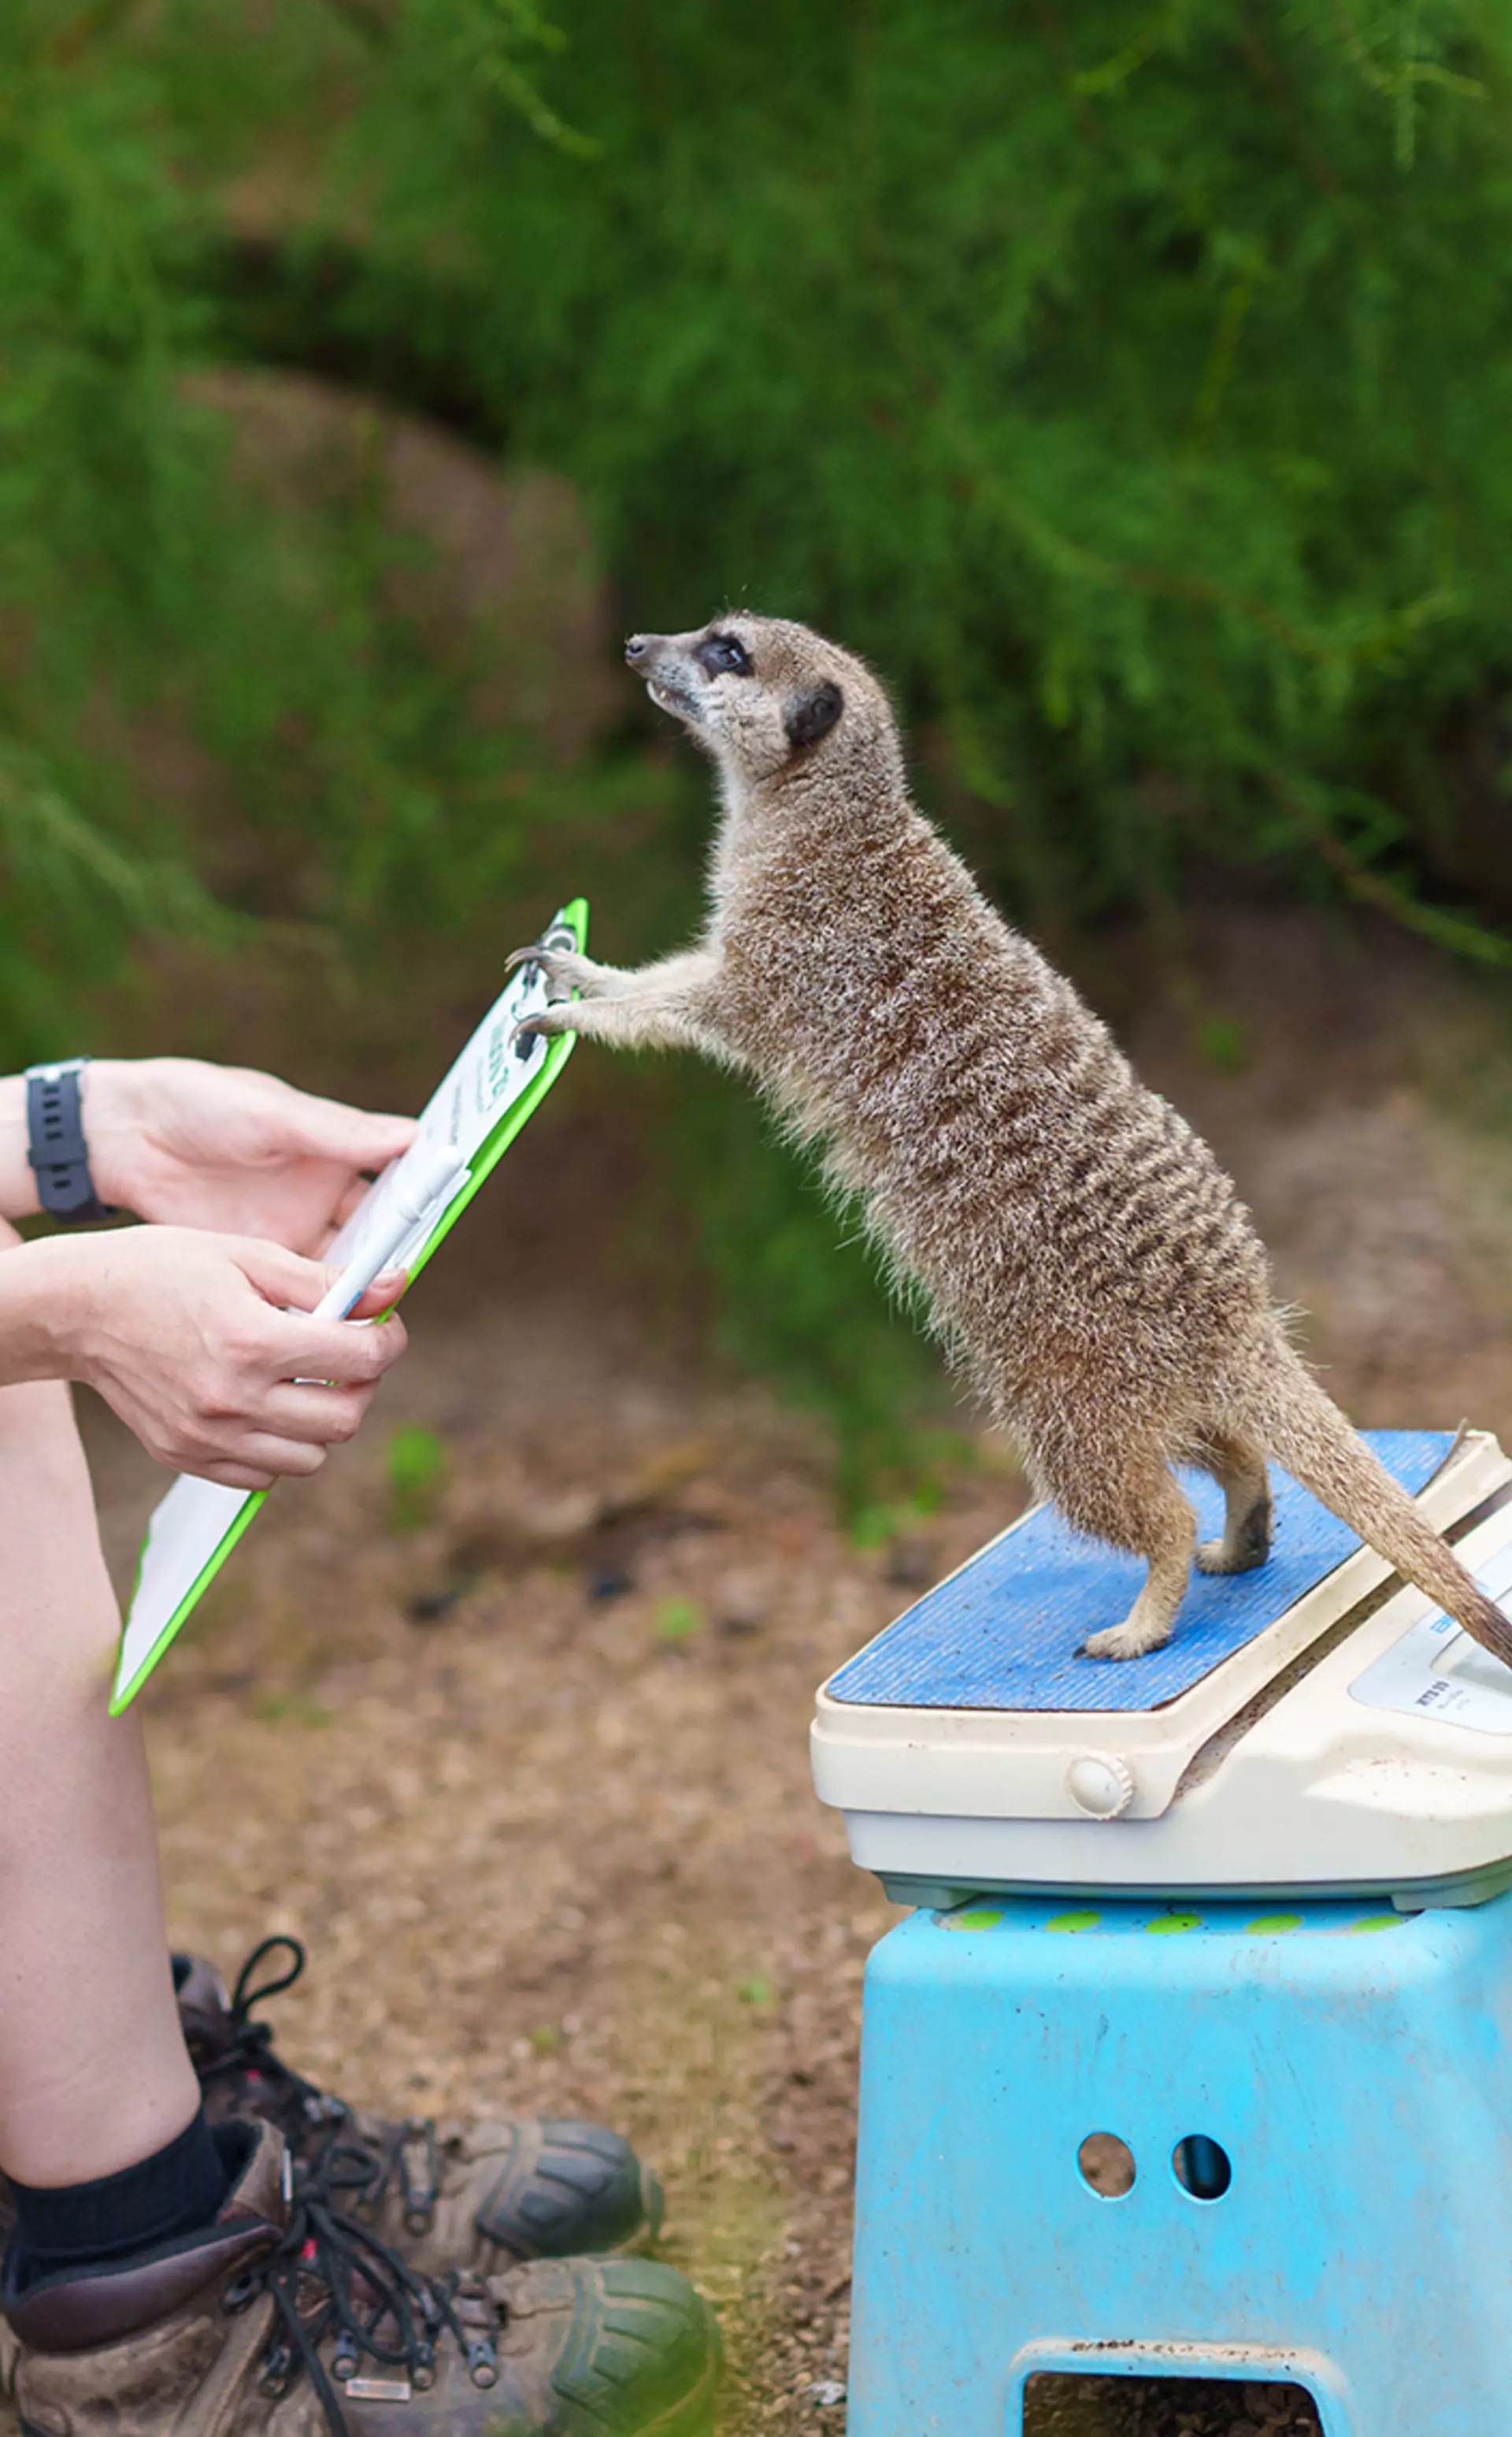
x: 189, y: 1145
x: 186, y: 1335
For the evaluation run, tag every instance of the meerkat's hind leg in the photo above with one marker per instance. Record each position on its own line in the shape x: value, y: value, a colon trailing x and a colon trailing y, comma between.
x: 1239, y: 1466
x: 1138, y: 1508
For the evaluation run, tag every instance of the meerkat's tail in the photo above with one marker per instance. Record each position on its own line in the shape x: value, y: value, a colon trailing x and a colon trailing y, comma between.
x: 1305, y: 1430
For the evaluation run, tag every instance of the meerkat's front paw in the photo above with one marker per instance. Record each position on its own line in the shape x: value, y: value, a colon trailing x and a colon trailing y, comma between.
x: 544, y: 1025
x: 565, y: 969
x: 1130, y: 1639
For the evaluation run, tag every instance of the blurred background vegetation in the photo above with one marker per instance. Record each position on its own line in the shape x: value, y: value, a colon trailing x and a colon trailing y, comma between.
x: 1132, y: 382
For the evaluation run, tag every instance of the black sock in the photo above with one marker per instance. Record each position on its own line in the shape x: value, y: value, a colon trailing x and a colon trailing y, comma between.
x: 91, y: 2225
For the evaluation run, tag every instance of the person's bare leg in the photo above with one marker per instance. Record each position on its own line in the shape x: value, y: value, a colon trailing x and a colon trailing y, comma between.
x: 94, y: 2072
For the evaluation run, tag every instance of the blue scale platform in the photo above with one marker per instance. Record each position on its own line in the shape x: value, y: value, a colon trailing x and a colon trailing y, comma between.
x: 1006, y: 1632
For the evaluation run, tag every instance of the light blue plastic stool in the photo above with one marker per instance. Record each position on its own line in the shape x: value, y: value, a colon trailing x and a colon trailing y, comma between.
x: 1351, y: 2065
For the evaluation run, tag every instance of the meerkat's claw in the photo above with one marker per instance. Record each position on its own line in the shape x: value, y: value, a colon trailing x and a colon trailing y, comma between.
x: 564, y: 969
x: 534, y: 955
x: 545, y: 1023
x: 1125, y: 1640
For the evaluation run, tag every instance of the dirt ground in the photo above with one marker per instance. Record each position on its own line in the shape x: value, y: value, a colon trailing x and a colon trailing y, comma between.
x: 530, y: 1778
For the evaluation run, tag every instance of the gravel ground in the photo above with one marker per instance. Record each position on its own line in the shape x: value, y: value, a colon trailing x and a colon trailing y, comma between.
x: 530, y: 1778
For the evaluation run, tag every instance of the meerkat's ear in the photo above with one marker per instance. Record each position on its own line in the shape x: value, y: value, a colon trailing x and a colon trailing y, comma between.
x: 812, y: 715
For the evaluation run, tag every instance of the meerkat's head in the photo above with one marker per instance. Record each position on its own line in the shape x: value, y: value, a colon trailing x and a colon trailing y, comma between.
x: 761, y: 694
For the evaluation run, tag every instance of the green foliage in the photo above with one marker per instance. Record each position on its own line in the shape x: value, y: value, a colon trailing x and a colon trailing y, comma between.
x: 416, y: 1463
x: 1131, y: 383
x: 93, y: 484
x: 678, y: 1620
x: 1225, y: 1043
x: 1131, y: 386
x: 875, y: 1525
x: 160, y: 615
x: 797, y: 1290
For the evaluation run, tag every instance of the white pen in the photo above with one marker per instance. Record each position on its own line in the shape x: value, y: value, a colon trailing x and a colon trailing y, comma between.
x: 436, y: 1175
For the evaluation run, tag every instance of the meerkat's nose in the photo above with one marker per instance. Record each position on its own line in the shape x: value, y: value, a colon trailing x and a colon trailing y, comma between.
x: 635, y: 646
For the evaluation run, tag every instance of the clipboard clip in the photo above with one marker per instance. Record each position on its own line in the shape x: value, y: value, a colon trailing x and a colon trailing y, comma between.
x: 559, y: 935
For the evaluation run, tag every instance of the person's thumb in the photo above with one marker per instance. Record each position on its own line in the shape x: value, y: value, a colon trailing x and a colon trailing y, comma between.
x: 282, y: 1277
x: 297, y: 1285
x: 381, y: 1295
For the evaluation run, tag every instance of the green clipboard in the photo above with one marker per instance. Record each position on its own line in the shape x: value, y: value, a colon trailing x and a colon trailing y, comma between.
x: 480, y: 1105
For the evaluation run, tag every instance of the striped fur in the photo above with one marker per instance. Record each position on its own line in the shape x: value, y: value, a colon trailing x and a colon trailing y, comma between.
x: 1078, y: 1247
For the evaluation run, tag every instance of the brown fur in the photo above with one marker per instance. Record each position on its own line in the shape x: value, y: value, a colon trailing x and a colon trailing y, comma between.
x: 1081, y: 1249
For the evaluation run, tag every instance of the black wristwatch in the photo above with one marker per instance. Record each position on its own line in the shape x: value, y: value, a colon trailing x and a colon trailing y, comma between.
x: 55, y: 1144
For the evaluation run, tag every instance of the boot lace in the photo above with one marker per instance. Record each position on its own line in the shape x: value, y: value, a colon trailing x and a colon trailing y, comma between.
x: 332, y: 2278
x: 407, y: 2158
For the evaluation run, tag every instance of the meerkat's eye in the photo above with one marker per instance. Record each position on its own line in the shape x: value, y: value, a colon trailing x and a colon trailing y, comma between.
x: 722, y: 655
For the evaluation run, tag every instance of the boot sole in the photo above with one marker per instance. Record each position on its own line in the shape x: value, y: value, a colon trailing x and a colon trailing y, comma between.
x: 653, y: 2209
x: 693, y: 2415
x: 639, y: 2245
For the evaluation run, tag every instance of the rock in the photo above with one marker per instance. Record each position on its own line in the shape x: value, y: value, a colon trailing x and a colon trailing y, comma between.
x: 608, y: 1582
x: 743, y: 1601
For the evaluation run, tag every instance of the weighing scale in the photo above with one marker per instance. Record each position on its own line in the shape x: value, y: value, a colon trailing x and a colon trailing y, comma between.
x: 1311, y: 1728
x: 1193, y: 2059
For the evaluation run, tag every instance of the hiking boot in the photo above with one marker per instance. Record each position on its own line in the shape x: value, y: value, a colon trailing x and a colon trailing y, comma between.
x: 285, y: 2318
x: 483, y: 2196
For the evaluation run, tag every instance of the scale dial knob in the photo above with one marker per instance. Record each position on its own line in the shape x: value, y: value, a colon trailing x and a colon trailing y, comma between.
x: 1101, y: 1783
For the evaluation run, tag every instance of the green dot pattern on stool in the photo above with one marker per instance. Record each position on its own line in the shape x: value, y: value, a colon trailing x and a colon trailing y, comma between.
x: 1169, y: 1922
x: 1377, y: 1921
x: 1075, y: 1920
x: 980, y: 1917
x: 1273, y: 1924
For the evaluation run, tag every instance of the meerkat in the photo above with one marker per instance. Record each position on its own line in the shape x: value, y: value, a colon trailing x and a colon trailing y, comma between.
x: 1084, y: 1256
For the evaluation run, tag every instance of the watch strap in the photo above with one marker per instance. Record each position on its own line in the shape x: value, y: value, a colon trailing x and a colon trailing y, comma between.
x: 56, y: 1148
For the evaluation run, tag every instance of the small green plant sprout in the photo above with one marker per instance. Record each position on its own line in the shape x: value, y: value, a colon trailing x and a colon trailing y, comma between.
x: 874, y: 1526
x: 677, y: 1620
x: 1225, y: 1043
x: 917, y: 1490
x: 756, y: 1991
x: 416, y: 1463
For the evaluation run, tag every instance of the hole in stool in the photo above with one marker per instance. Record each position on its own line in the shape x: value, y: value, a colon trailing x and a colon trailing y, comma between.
x: 1057, y: 2404
x: 1107, y: 2165
x: 1201, y: 2167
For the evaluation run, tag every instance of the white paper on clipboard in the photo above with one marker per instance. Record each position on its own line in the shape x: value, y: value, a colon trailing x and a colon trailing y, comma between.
x: 195, y: 1527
